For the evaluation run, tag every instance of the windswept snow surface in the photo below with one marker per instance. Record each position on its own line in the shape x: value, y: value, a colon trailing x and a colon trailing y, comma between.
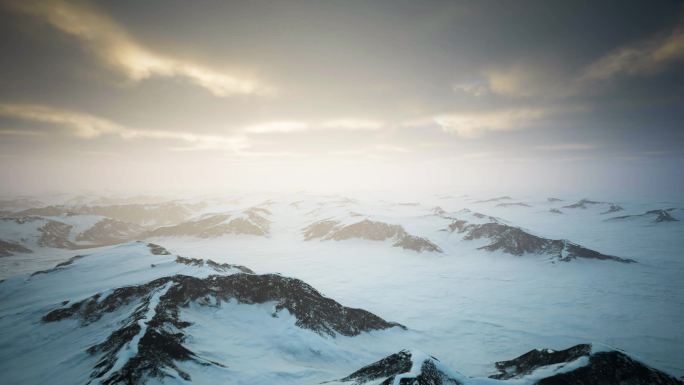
x: 466, y: 306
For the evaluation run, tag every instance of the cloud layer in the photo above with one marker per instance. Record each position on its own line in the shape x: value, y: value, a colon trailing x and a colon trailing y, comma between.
x: 116, y: 48
x: 90, y: 127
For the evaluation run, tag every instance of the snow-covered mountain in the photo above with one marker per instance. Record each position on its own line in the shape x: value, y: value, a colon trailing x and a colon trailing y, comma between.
x: 580, y: 364
x: 306, y: 289
x: 251, y: 221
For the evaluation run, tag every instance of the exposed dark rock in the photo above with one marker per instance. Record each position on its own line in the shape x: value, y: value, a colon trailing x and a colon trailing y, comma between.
x: 555, y: 211
x: 217, y: 225
x: 157, y: 249
x: 312, y: 310
x: 516, y: 241
x: 585, y: 203
x: 109, y: 232
x: 503, y: 198
x: 59, y: 266
x: 55, y: 234
x: 612, y: 209
x: 663, y: 216
x: 219, y: 267
x: 319, y: 229
x: 141, y: 214
x: 387, y: 367
x: 552, y: 200
x: 366, y: 229
x: 611, y: 368
x: 190, y: 261
x: 582, y: 204
x: 69, y: 261
x: 419, y: 244
x: 602, y: 368
x: 391, y: 366
x: 20, y: 220
x: 11, y: 248
x: 658, y: 216
x: 161, y: 343
x: 329, y: 229
x: 513, y: 204
x: 528, y: 362
x: 225, y: 267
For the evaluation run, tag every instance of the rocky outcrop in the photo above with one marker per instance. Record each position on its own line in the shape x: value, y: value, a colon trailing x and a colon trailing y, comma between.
x: 415, y: 243
x: 156, y: 249
x: 534, y: 359
x: 585, y: 203
x: 55, y: 234
x: 555, y: 211
x: 59, y: 266
x: 612, y: 368
x: 582, y: 204
x: 156, y: 327
x: 249, y: 222
x: 399, y: 366
x: 516, y: 241
x: 11, y: 248
x: 218, y: 267
x: 605, y: 368
x: 497, y: 199
x: 109, y: 232
x: 578, y: 365
x: 613, y: 208
x: 320, y: 229
x: 658, y: 216
x: 141, y: 214
x: 513, y: 204
x: 329, y: 229
x: 553, y: 200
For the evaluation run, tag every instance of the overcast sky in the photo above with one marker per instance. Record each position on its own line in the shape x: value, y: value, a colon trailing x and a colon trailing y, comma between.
x: 334, y: 95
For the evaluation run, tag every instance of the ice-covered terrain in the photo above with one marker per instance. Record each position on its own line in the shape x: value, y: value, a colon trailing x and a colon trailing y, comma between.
x: 470, y: 280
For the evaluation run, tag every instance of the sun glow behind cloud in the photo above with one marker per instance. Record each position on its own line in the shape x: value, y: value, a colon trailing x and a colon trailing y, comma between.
x: 112, y: 44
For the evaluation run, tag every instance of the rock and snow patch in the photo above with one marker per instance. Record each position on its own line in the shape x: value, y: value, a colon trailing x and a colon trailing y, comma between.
x: 330, y: 229
x: 252, y: 221
x: 578, y: 365
x: 151, y: 340
x: 516, y: 241
x: 655, y: 216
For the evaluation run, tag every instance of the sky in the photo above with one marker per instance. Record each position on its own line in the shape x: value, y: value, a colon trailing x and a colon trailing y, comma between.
x: 131, y: 96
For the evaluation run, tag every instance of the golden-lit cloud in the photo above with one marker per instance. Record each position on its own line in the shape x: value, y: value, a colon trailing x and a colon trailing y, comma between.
x: 89, y: 127
x: 474, y: 124
x: 536, y: 79
x: 117, y: 49
x: 293, y: 126
x: 276, y: 127
x: 353, y: 124
x: 639, y: 58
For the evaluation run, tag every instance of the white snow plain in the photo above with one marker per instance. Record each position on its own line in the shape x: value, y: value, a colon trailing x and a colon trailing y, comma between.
x: 467, y: 307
